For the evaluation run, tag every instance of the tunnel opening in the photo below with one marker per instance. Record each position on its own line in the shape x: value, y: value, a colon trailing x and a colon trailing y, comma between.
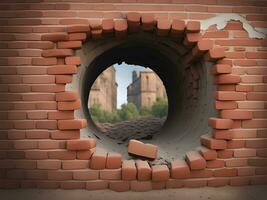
x: 189, y: 89
x: 128, y: 102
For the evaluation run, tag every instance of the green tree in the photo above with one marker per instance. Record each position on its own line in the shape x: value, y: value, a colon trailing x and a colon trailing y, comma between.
x: 128, y: 111
x: 160, y: 108
x: 145, y: 112
x: 102, y: 116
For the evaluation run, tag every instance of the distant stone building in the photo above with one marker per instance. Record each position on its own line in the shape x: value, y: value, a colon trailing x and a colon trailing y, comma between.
x: 104, y: 91
x: 145, y: 89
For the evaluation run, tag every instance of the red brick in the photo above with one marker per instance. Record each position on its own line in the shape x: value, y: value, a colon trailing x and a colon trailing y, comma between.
x: 160, y: 173
x: 129, y: 171
x: 73, y: 105
x: 244, y: 88
x: 226, y: 153
x: 87, y: 174
x: 81, y: 144
x: 141, y: 186
x: 243, y: 153
x: 228, y: 79
x: 96, y: 185
x: 120, y: 27
x: 70, y: 185
x: 133, y: 20
x: 208, y: 154
x: 72, y: 124
x: 85, y: 155
x: 25, y: 144
x: 16, y: 115
x: 69, y: 45
x: 144, y: 171
x: 226, y: 172
x: 67, y: 96
x: 195, y: 160
x: 63, y: 78
x: 177, y: 28
x: 36, y: 174
x: 60, y: 115
x: 48, y: 164
x: 77, y: 36
x: 258, y: 123
x: 47, y: 184
x: 220, y: 123
x: 235, y: 114
x: 257, y: 96
x: 262, y: 152
x: 239, y: 181
x: 163, y: 27
x: 235, y: 144
x: 57, y: 53
x: 259, y: 162
x: 256, y: 143
x: 48, y: 88
x: 119, y: 186
x: 256, y: 55
x: 55, y: 37
x: 62, y: 154
x: 225, y: 105
x: 37, y: 115
x: 193, y: 26
x: 73, y: 60
x: 98, y: 160
x: 236, y: 162
x: 195, y: 183
x: 36, y: 154
x: 46, y: 105
x: 145, y: 150
x: 260, y: 170
x: 201, y: 47
x: 11, y: 79
x: 60, y: 175
x: 75, y: 164
x: 221, y: 69
x: 246, y: 171
x: 114, y: 161
x: 44, y: 61
x: 110, y: 174
x: 62, y: 69
x: 215, y: 164
x: 211, y: 143
x: 158, y: 185
x: 218, y: 182
x: 78, y: 28
x: 51, y: 144
x: 215, y: 54
x: 46, y: 124
x: 61, y: 135
x: 203, y: 173
x: 148, y: 21
x: 179, y: 169
x: 107, y: 26
x: 16, y: 135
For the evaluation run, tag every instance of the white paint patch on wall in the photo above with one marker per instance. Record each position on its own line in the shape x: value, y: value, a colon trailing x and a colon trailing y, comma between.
x: 221, y: 21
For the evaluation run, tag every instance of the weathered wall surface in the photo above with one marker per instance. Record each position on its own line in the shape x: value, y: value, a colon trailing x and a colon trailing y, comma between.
x: 39, y: 137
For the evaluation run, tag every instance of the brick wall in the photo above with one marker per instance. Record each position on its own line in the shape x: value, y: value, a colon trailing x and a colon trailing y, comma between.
x: 39, y: 136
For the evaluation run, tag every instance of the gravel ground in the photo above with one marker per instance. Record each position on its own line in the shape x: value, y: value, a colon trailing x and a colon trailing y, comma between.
x: 222, y: 193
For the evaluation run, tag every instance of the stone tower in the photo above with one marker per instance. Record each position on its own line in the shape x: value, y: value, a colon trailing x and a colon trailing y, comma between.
x: 104, y: 91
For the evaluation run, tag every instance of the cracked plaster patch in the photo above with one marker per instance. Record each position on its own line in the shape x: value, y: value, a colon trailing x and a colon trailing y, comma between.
x: 221, y: 21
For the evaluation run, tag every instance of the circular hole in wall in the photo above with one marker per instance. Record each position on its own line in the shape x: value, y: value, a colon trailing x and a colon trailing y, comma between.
x: 128, y: 102
x: 190, y: 90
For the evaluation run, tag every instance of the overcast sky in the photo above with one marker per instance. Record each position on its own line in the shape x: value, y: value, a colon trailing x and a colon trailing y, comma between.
x: 124, y: 78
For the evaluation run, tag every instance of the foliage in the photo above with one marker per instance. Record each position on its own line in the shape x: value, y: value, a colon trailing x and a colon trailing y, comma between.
x: 160, y: 108
x: 129, y: 111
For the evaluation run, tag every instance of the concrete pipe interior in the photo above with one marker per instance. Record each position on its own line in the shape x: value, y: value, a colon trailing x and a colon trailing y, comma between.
x: 187, y: 117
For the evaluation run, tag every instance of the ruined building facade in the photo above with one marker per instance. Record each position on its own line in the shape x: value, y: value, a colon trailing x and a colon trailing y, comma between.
x: 145, y: 89
x: 104, y: 91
